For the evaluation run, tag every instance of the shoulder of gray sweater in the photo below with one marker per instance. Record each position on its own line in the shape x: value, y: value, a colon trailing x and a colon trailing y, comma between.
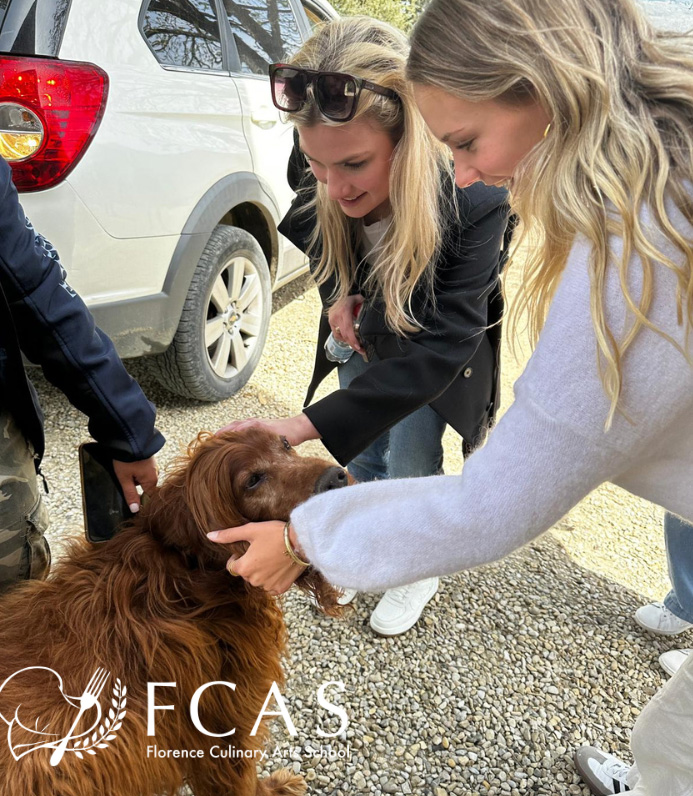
x: 563, y: 374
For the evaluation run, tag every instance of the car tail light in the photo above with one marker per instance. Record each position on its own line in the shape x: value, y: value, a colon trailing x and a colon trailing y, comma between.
x: 49, y: 112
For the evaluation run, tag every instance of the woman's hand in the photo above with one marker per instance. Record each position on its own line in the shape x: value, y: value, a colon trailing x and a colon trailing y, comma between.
x: 265, y: 562
x: 133, y: 474
x: 296, y: 429
x: 341, y: 320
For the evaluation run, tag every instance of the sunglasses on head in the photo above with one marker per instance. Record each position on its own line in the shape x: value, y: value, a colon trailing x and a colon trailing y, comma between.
x: 336, y: 94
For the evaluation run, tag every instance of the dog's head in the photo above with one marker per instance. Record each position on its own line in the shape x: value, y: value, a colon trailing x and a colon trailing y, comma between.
x: 233, y: 478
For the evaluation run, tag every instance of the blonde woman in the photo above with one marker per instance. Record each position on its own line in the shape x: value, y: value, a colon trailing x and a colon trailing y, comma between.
x: 587, y: 114
x: 386, y: 235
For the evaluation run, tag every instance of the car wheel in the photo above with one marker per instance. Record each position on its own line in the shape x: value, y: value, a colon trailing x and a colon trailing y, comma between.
x: 224, y: 323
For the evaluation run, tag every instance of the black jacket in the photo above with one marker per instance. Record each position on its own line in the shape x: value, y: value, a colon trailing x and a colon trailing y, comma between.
x: 453, y: 364
x: 41, y: 316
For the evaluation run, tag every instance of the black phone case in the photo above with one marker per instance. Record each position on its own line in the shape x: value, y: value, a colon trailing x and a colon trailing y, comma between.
x: 103, y: 503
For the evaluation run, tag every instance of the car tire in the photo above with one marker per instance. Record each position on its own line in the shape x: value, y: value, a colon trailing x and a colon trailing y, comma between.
x: 224, y: 323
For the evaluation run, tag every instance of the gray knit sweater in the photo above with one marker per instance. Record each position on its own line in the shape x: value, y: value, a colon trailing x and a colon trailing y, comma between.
x: 548, y: 451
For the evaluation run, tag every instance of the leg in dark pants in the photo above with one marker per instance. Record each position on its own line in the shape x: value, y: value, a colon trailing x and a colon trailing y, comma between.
x: 24, y: 552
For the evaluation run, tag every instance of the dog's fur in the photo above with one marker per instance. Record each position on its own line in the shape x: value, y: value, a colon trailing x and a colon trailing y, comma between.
x: 156, y: 604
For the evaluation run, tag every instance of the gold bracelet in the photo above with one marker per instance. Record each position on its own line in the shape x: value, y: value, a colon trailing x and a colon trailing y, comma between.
x: 289, y: 549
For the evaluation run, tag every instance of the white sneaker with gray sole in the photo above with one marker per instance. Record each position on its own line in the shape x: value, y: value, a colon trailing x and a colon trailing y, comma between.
x: 603, y: 773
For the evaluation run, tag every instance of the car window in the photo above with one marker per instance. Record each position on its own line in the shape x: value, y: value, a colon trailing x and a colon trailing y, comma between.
x: 313, y: 18
x: 264, y: 32
x: 30, y: 27
x: 183, y: 33
x: 315, y: 13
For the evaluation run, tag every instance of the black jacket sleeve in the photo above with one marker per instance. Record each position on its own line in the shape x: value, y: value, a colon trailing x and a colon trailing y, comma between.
x: 298, y: 173
x: 56, y: 330
x: 412, y: 372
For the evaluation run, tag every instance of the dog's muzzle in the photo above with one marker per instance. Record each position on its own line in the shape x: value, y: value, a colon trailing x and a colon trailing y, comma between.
x: 332, y: 478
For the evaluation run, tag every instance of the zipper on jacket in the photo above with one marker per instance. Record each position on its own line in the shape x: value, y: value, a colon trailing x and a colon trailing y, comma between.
x: 37, y: 460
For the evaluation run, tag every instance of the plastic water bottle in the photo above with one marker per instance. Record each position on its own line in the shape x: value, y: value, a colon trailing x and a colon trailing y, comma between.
x: 337, y: 351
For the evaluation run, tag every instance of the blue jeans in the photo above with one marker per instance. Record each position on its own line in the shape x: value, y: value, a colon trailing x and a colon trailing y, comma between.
x: 411, y: 448
x: 678, y: 537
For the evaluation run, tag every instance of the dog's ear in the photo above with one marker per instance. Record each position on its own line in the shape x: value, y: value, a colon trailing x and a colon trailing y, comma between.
x: 196, y: 497
x: 209, y: 492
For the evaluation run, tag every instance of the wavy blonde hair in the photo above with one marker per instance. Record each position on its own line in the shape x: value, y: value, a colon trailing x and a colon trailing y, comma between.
x: 620, y: 97
x: 375, y: 51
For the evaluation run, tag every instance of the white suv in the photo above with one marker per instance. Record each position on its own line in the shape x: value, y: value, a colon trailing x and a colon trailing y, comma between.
x: 144, y: 138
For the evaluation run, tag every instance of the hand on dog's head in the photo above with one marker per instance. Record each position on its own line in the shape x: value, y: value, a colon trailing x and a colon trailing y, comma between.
x: 233, y: 478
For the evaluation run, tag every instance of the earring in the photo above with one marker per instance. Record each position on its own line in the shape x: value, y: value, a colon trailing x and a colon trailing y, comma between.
x: 548, y: 127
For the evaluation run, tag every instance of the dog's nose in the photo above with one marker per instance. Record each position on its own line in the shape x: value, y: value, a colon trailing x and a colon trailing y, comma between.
x: 332, y: 478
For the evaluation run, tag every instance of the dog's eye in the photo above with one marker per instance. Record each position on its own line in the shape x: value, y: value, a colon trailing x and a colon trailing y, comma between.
x: 286, y: 443
x: 255, y: 480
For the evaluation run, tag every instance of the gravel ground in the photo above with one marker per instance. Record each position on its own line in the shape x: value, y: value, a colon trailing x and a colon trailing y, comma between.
x: 512, y: 665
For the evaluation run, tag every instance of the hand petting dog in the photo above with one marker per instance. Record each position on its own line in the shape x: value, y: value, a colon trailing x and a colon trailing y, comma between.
x: 295, y: 430
x: 266, y: 562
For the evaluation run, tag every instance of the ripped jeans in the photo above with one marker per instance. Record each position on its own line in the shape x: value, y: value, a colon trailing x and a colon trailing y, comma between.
x: 24, y: 551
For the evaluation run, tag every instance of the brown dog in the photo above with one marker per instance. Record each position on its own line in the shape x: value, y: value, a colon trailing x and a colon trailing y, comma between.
x: 156, y: 605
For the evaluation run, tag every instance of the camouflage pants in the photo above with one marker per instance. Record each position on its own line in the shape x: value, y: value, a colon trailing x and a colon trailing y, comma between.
x: 24, y: 552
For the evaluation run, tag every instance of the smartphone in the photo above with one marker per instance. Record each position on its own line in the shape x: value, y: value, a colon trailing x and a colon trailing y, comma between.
x: 103, y: 503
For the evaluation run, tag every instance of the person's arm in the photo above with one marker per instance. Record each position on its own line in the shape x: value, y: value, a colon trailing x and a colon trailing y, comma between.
x: 417, y: 369
x: 56, y: 331
x: 547, y: 452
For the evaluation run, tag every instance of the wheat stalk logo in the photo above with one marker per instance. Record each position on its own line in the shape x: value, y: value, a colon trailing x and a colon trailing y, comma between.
x: 96, y: 736
x: 108, y: 729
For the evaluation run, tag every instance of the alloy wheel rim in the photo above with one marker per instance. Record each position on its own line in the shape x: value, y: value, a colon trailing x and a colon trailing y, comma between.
x: 234, y: 317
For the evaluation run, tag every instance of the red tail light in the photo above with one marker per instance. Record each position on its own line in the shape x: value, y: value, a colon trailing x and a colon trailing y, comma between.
x: 49, y: 112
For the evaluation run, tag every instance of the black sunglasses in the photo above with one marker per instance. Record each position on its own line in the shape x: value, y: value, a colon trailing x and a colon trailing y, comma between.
x: 336, y: 93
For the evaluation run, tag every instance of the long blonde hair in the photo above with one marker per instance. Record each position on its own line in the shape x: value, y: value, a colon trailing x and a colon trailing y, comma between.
x: 620, y: 97
x: 375, y: 51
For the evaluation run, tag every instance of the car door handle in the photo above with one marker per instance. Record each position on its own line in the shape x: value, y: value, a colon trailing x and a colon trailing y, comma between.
x: 264, y: 118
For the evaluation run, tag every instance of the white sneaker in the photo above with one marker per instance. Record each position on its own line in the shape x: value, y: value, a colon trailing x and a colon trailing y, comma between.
x: 347, y: 596
x: 657, y: 618
x: 399, y: 609
x: 604, y: 774
x: 672, y: 660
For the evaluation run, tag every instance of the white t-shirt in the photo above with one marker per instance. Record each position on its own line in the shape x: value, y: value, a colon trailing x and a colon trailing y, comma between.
x: 372, y: 235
